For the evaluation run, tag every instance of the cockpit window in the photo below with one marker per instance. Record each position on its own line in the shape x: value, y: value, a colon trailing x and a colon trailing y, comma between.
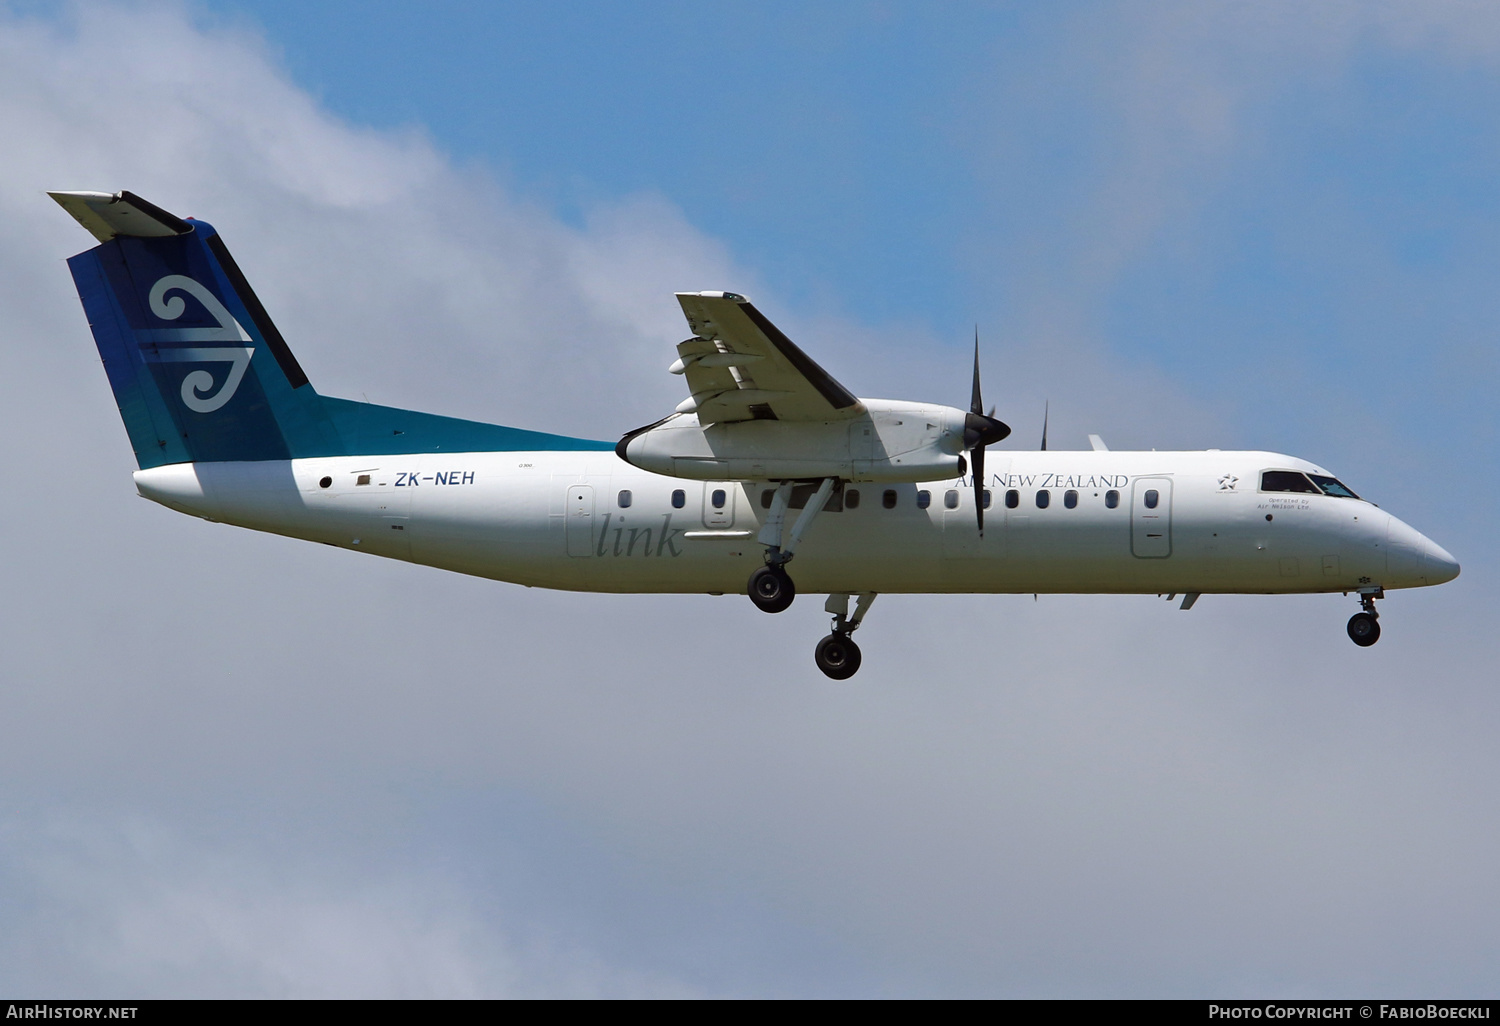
x: 1286, y: 481
x: 1332, y: 486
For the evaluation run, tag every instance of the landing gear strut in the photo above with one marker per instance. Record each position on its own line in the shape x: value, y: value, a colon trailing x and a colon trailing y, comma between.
x: 1364, y: 626
x: 770, y: 587
x: 837, y: 655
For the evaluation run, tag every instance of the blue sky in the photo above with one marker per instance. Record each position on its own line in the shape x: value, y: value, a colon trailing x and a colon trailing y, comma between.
x: 236, y: 764
x: 827, y: 143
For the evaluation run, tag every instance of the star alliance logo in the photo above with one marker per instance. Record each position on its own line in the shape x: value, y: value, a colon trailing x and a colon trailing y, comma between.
x: 1227, y: 483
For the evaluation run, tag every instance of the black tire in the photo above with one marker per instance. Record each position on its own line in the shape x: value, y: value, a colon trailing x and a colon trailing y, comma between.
x: 838, y: 656
x: 771, y: 589
x: 1364, y: 629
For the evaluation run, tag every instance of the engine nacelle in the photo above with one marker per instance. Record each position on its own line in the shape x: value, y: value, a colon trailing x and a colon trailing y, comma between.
x: 892, y: 441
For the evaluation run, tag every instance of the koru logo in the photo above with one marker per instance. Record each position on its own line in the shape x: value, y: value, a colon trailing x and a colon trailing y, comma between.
x: 164, y: 345
x: 1227, y: 483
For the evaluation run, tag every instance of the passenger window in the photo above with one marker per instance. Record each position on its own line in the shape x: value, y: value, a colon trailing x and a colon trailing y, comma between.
x: 718, y: 498
x: 1043, y: 499
x: 986, y: 498
x: 924, y: 499
x: 1070, y: 499
x: 950, y: 498
x: 623, y: 499
x: 1286, y: 481
x: 888, y: 498
x: 1012, y: 499
x: 1152, y: 498
x: 679, y: 498
x: 1111, y: 499
x: 851, y: 498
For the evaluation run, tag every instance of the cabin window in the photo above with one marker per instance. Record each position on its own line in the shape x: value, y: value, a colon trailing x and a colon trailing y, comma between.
x: 623, y: 499
x: 986, y: 498
x: 1111, y: 499
x: 851, y: 498
x: 1070, y: 499
x: 1286, y: 481
x: 679, y: 498
x: 363, y: 479
x: 1012, y: 499
x: 1152, y: 498
x: 950, y: 498
x: 1332, y: 486
x: 326, y: 482
x: 924, y: 499
x: 718, y: 498
x: 888, y: 498
x: 1043, y: 499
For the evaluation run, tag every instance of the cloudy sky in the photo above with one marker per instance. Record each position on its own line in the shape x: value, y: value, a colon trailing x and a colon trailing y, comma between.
x: 236, y: 764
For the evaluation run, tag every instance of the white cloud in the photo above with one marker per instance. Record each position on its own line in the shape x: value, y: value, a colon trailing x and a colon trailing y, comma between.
x: 127, y: 908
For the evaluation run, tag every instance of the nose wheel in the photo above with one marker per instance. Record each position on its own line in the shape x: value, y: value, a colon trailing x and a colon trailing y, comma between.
x: 1364, y: 626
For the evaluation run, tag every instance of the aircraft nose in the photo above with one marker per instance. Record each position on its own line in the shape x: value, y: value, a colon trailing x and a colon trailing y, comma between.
x: 1414, y: 560
x: 1441, y: 567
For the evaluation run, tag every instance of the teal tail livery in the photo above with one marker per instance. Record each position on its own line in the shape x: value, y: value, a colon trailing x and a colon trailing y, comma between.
x: 767, y: 460
x: 198, y: 368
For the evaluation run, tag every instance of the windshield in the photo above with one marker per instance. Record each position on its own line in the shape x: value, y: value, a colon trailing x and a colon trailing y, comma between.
x: 1295, y: 481
x: 1332, y: 486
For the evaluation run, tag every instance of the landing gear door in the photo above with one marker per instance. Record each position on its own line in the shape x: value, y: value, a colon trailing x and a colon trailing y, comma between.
x: 718, y: 505
x: 1151, y: 518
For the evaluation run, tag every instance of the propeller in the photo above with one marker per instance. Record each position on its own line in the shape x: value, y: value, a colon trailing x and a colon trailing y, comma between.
x: 980, y: 429
x: 1045, y: 410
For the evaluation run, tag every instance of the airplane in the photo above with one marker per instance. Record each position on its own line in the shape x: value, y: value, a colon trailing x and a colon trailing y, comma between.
x: 768, y: 460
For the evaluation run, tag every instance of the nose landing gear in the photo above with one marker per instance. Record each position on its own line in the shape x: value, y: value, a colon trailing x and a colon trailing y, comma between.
x: 837, y: 655
x: 1364, y: 626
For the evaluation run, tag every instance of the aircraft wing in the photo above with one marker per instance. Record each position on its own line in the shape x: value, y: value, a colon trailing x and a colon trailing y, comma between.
x: 739, y: 366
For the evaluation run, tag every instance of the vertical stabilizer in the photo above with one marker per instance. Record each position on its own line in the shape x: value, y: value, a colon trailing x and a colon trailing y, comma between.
x: 198, y: 369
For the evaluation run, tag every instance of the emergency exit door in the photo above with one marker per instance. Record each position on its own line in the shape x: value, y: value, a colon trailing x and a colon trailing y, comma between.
x: 1151, y: 518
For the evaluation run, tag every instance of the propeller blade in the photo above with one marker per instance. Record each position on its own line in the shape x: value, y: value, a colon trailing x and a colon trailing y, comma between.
x: 976, y: 404
x: 978, y: 455
x: 1045, y: 410
x: 981, y: 428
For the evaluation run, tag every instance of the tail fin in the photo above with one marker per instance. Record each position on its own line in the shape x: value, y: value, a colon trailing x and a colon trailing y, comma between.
x: 198, y: 369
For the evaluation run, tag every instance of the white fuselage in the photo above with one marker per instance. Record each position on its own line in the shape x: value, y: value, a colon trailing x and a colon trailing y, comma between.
x: 555, y: 519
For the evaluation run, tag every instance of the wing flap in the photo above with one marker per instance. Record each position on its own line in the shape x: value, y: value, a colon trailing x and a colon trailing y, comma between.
x: 740, y: 366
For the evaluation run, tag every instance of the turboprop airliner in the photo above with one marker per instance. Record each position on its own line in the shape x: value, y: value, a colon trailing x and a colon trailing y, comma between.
x: 768, y: 459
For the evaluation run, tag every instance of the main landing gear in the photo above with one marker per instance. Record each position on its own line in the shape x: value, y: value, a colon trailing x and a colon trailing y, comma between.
x: 770, y: 587
x: 837, y: 655
x: 1364, y: 626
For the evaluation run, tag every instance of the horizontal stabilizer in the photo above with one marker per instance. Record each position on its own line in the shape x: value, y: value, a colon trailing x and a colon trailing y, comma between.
x: 109, y: 215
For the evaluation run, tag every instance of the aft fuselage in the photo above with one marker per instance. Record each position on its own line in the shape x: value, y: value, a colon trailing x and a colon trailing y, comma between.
x: 1061, y: 521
